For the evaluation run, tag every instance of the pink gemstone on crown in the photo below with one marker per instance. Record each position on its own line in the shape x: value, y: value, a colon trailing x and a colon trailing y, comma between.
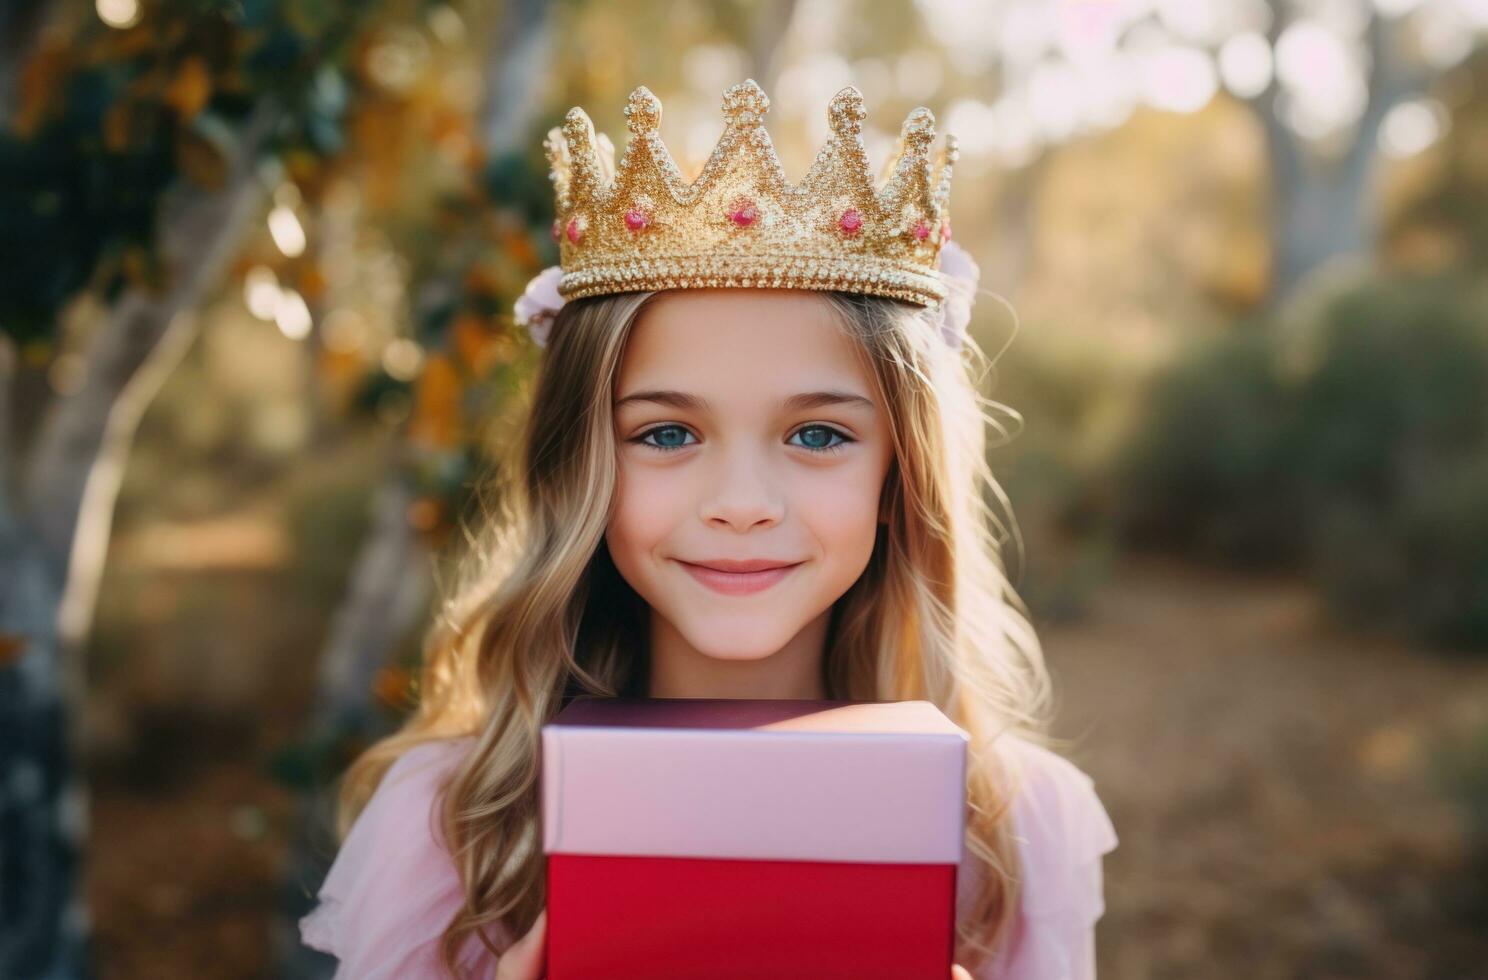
x: 945, y: 230
x: 743, y: 213
x: 636, y: 219
x: 922, y: 230
x: 850, y: 221
x: 557, y: 229
x: 574, y: 231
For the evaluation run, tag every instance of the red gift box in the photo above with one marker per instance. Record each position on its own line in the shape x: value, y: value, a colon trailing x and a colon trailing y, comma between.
x: 741, y: 840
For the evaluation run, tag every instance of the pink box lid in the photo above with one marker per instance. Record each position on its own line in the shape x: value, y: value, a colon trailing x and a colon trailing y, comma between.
x: 861, y: 781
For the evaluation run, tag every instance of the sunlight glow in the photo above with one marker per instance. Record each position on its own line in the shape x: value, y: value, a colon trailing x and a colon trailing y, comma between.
x: 1324, y: 82
x: 447, y: 24
x: 1012, y: 132
x: 1395, y: 8
x: 1245, y: 65
x: 918, y: 74
x: 1088, y: 29
x: 286, y: 230
x: 401, y: 359
x: 1444, y: 34
x: 1412, y: 127
x: 261, y: 292
x: 344, y: 331
x: 1197, y: 21
x: 1108, y: 90
x: 1178, y: 78
x: 119, y: 13
x: 1054, y: 97
x: 293, y: 315
x: 975, y: 124
x: 1474, y: 11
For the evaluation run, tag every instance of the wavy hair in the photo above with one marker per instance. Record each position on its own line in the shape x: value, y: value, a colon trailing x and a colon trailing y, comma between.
x: 537, y: 614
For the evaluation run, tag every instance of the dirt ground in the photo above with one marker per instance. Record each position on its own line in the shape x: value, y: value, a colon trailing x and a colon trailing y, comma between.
x: 1266, y: 773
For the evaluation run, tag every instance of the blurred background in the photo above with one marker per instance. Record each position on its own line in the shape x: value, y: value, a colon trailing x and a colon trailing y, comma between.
x: 257, y: 260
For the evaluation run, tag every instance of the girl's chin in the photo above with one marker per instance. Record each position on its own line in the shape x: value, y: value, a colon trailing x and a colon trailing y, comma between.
x: 739, y: 654
x: 743, y: 644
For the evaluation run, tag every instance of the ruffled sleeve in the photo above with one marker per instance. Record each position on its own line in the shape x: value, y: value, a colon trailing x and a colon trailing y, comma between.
x: 1062, y: 832
x: 393, y: 887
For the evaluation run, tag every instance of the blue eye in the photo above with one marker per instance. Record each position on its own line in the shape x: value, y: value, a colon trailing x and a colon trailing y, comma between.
x: 832, y: 448
x: 665, y: 434
x: 662, y: 428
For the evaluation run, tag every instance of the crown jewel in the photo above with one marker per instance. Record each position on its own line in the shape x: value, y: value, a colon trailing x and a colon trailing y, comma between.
x: 639, y: 225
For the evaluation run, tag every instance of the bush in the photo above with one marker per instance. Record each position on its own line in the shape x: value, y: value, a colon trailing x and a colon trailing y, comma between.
x: 1356, y: 448
x: 1049, y: 465
x: 1208, y: 471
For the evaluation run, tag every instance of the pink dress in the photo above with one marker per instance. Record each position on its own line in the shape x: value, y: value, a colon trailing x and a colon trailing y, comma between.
x: 393, y: 888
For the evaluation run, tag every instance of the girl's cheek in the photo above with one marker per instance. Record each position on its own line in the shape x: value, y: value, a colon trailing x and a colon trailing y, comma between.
x: 849, y: 518
x: 842, y: 509
x: 648, y: 506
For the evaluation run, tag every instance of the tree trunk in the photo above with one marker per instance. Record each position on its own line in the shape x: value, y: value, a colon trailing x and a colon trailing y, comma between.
x: 1322, y: 209
x: 51, y: 563
x: 43, y: 925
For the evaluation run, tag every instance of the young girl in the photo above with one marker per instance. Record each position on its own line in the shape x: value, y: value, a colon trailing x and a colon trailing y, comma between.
x: 754, y: 468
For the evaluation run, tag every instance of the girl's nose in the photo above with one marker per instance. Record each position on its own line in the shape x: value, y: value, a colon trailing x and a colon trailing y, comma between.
x: 743, y: 493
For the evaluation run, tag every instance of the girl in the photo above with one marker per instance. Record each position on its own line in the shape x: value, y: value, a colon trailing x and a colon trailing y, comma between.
x: 732, y: 486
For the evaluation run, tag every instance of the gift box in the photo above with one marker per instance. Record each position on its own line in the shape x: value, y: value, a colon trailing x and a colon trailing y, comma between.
x: 716, y: 838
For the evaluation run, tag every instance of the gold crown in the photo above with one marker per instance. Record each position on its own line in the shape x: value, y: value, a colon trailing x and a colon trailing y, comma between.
x: 640, y: 226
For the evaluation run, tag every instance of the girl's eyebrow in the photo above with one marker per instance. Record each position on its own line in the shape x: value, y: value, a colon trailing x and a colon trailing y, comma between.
x: 795, y: 403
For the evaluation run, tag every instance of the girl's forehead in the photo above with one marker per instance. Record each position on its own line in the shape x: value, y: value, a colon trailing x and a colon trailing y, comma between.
x: 733, y: 337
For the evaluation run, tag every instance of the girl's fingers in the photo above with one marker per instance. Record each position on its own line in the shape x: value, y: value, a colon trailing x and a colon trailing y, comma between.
x: 958, y: 972
x: 525, y: 961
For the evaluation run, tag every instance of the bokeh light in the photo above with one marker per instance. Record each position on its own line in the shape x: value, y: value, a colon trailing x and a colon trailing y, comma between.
x: 119, y: 13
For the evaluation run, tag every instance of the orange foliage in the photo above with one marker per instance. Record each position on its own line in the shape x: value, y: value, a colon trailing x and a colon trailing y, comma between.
x: 311, y: 282
x: 518, y: 246
x: 200, y: 158
x: 301, y: 165
x: 424, y: 514
x: 392, y: 686
x: 116, y: 126
x: 381, y: 130
x: 470, y: 339
x: 483, y: 278
x: 190, y: 88
x: 341, y: 372
x: 436, y: 409
x: 40, y: 79
x: 11, y: 646
x: 478, y: 345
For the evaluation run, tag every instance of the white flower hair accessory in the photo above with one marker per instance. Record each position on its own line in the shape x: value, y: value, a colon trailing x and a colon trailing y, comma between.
x: 959, y: 271
x: 540, y: 302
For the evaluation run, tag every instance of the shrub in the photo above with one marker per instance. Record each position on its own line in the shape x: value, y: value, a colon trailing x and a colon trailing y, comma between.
x: 1355, y: 447
x: 1207, y: 471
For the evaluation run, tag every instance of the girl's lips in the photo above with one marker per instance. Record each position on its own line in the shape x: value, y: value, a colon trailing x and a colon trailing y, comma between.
x: 737, y: 583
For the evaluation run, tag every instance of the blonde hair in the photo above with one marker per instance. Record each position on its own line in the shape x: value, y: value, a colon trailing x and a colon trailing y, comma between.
x: 539, y: 614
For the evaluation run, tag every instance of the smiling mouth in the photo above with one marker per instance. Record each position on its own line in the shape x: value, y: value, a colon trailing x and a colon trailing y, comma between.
x: 737, y: 583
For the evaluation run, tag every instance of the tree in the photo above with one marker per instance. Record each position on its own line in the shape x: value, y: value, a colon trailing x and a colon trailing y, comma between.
x: 132, y: 163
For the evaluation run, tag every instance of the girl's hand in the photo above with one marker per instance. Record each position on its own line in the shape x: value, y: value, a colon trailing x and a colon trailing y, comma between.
x: 525, y: 960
